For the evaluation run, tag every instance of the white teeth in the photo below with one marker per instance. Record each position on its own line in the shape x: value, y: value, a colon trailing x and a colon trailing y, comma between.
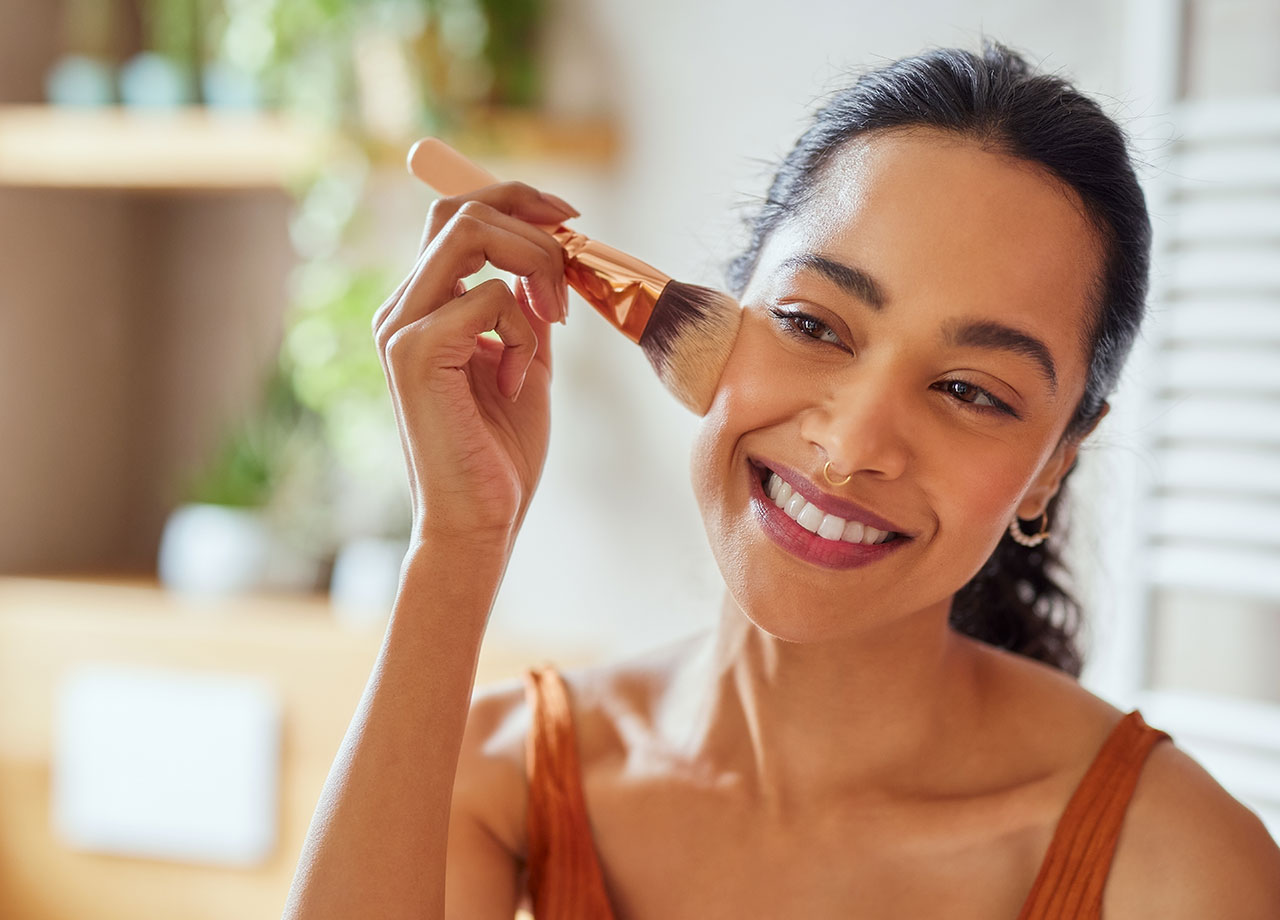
x: 810, y: 518
x: 815, y: 520
x: 831, y: 527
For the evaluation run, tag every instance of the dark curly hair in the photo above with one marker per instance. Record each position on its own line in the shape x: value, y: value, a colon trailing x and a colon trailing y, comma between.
x: 1017, y: 600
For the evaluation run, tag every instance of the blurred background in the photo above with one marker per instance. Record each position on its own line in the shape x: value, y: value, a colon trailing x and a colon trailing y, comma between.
x: 203, y: 506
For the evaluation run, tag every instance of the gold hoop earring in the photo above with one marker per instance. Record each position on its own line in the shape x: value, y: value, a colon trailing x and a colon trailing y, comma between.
x: 1015, y: 531
x: 826, y: 473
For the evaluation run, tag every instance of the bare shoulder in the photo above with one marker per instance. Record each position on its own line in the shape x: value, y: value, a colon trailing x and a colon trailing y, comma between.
x: 491, y: 784
x: 1188, y: 848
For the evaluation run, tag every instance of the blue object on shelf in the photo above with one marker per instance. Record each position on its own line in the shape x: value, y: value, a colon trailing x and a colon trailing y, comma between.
x: 150, y: 80
x: 226, y: 87
x: 79, y: 80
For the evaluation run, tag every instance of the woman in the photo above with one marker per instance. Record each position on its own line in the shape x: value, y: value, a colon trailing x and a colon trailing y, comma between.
x: 938, y: 296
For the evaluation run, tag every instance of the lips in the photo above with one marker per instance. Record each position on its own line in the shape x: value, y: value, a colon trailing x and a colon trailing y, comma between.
x: 829, y: 503
x: 810, y: 547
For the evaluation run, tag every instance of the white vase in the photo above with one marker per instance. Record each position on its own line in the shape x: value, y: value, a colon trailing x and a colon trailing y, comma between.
x: 214, y: 550
x: 365, y: 580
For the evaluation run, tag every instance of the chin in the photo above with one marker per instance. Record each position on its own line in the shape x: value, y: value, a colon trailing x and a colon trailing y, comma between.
x: 800, y: 633
x: 792, y: 619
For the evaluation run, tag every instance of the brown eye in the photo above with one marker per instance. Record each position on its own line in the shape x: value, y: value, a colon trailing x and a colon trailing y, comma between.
x: 974, y: 396
x: 968, y: 392
x: 803, y: 325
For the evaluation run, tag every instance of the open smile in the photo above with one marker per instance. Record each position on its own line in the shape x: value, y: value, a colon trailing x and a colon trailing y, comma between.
x: 810, y: 529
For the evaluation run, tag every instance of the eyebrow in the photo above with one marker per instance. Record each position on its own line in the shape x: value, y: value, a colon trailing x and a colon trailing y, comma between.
x: 957, y: 333
x: 990, y: 334
x: 853, y: 281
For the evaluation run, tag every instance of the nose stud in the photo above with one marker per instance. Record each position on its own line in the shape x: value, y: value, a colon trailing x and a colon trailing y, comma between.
x: 826, y: 474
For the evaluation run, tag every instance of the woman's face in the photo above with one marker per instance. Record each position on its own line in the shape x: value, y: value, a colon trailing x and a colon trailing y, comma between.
x: 920, y: 325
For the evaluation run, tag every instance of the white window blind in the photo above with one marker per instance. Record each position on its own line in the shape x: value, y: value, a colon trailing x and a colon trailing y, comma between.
x: 1209, y: 521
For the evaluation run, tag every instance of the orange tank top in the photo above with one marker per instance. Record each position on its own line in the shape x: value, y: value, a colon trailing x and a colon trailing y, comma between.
x: 567, y: 883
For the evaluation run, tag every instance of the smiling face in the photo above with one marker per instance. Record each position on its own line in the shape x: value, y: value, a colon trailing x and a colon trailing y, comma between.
x: 921, y: 326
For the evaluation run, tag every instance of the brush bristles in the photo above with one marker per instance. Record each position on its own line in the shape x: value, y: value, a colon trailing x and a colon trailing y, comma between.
x: 688, y: 340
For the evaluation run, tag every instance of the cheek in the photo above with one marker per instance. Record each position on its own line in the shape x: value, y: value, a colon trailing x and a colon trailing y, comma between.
x: 749, y: 397
x: 758, y: 376
x: 704, y: 459
x: 749, y: 393
x: 981, y: 491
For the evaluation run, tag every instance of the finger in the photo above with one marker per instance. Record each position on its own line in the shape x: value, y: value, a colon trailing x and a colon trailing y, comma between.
x: 523, y: 203
x: 389, y: 304
x: 446, y: 340
x: 462, y: 250
x: 533, y: 234
x: 513, y: 224
x: 517, y: 199
x: 540, y: 238
x: 380, y: 315
x: 541, y: 330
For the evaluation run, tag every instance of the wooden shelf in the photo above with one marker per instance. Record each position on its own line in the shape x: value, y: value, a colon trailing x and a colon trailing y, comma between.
x: 196, y: 148
x: 115, y: 147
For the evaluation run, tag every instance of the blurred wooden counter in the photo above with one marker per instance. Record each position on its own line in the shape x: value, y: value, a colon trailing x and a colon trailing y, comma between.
x: 317, y: 667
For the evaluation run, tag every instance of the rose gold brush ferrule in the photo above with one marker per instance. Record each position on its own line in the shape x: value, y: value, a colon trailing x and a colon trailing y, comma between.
x: 621, y: 287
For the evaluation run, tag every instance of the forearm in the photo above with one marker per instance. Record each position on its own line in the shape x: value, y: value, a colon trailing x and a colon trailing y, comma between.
x: 377, y: 842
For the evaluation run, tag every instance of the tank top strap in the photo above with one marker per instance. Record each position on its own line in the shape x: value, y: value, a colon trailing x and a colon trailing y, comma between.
x: 564, y: 875
x: 1071, y: 878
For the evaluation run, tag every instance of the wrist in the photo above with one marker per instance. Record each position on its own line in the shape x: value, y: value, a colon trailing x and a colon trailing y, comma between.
x: 470, y: 548
x: 457, y: 578
x: 449, y: 533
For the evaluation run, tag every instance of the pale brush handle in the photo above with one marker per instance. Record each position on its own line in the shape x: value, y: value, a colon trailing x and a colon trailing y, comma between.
x: 445, y: 170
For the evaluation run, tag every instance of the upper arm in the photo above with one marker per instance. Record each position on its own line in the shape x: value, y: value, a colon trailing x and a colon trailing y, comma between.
x: 483, y: 870
x: 1188, y: 849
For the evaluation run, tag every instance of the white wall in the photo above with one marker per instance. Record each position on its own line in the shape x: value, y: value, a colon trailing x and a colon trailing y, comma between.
x: 709, y: 96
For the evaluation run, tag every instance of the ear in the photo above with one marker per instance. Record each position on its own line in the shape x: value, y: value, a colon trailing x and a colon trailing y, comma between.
x: 1046, y: 484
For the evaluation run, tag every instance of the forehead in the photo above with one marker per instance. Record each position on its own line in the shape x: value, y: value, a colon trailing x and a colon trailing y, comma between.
x: 939, y: 221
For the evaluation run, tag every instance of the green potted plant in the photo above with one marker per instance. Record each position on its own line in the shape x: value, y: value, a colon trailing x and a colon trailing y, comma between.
x: 237, y: 528
x: 335, y: 373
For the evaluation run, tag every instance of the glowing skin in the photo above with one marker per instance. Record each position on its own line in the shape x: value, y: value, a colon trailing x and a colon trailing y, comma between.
x: 820, y: 662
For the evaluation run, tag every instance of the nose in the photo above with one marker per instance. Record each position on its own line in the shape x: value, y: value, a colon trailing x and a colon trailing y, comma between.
x: 860, y: 428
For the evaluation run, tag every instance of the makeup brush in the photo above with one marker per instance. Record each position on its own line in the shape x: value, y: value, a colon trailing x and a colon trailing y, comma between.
x: 685, y: 330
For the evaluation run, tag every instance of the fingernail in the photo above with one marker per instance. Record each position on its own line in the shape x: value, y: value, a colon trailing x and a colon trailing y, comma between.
x: 560, y: 203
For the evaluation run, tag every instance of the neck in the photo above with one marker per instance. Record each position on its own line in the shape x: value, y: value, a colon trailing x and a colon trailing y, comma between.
x: 805, y: 725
